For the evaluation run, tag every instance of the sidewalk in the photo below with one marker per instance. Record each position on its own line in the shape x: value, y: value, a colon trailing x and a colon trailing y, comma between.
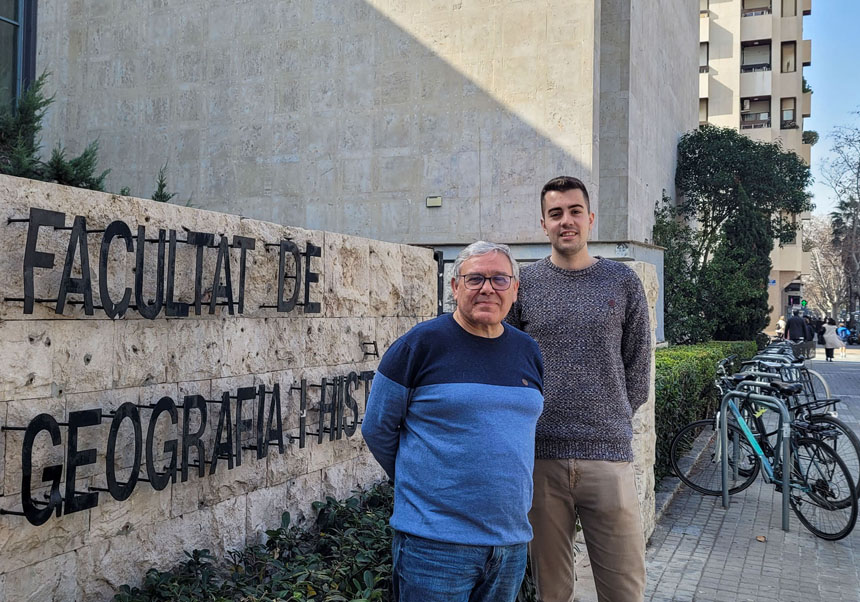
x: 700, y: 551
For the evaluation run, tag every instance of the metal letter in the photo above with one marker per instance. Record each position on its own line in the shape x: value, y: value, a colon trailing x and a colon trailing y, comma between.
x: 311, y: 251
x: 114, y: 229
x: 122, y: 491
x: 34, y: 258
x: 201, y: 240
x: 39, y: 516
x: 82, y: 285
x: 193, y: 439
x: 242, y: 424
x: 303, y: 411
x: 225, y: 447
x: 159, y: 480
x: 244, y: 243
x: 76, y: 502
x: 149, y: 310
x: 223, y: 260
x: 274, y: 415
x: 171, y: 307
x: 350, y: 403
x: 288, y: 246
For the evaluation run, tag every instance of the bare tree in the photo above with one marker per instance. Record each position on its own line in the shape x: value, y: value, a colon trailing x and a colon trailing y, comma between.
x: 827, y: 285
x: 842, y: 175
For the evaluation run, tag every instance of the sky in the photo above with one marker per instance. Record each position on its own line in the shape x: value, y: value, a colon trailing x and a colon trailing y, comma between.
x: 834, y: 77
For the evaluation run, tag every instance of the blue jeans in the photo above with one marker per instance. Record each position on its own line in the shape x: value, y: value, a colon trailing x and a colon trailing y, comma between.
x: 425, y: 570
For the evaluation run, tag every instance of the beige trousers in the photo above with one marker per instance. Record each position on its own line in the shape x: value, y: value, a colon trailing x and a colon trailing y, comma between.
x: 603, y: 494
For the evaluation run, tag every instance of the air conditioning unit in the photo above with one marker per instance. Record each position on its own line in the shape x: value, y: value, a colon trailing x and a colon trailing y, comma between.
x: 745, y: 104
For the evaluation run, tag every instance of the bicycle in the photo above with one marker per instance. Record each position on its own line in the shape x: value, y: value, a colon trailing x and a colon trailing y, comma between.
x: 822, y: 494
x: 819, y: 412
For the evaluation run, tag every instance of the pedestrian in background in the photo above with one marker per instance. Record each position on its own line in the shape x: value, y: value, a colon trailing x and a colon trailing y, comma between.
x: 831, y: 339
x: 843, y: 333
x: 780, y: 328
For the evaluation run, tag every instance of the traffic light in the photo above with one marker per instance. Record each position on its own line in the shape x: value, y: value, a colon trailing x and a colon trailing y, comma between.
x: 803, y: 302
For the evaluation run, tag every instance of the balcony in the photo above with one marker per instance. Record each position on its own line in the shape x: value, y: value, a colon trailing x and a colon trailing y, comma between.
x: 807, y: 7
x: 757, y: 25
x: 806, y: 52
x: 788, y: 124
x: 704, y: 84
x: 754, y: 121
x: 756, y: 82
x: 807, y: 104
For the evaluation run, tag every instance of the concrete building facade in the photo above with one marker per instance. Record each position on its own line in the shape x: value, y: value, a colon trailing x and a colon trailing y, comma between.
x: 751, y: 59
x: 424, y: 121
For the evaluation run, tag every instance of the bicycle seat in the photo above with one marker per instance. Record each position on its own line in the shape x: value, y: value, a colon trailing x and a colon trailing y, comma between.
x: 785, y: 388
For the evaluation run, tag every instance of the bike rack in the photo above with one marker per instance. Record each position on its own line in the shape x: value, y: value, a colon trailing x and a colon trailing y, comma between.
x: 774, y: 404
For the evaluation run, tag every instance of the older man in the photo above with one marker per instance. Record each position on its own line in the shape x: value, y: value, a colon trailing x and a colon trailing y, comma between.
x: 451, y: 418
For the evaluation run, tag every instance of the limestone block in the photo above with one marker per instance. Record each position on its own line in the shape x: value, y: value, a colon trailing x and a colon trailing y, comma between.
x: 386, y: 278
x: 20, y: 413
x: 52, y: 579
x: 301, y: 493
x: 143, y: 509
x: 109, y: 563
x: 264, y: 511
x: 389, y: 330
x: 368, y: 472
x: 83, y: 357
x: 226, y: 485
x: 339, y: 480
x: 419, y: 282
x: 27, y: 359
x: 294, y: 462
x: 22, y: 544
x: 195, y: 352
x: 346, y: 275
x: 140, y: 354
x: 252, y: 346
x: 334, y: 341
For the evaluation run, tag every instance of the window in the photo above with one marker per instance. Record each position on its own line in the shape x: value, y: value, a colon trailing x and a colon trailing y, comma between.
x: 754, y: 8
x: 788, y: 116
x: 789, y: 57
x: 703, y: 57
x: 703, y: 111
x: 755, y: 112
x: 789, y: 8
x: 17, y: 46
x: 755, y: 56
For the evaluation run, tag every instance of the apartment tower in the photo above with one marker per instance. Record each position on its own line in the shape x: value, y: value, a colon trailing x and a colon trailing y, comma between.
x: 751, y: 59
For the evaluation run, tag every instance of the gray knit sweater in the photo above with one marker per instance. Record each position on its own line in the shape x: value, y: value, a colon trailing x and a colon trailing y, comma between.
x: 593, y: 330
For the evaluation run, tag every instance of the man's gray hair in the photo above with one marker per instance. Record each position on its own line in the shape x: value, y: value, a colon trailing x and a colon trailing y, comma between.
x: 483, y: 247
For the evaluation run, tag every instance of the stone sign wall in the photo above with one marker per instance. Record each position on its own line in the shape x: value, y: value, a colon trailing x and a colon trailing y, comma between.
x: 200, y: 375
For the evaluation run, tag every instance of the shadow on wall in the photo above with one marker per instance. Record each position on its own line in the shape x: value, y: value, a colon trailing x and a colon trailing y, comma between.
x: 326, y: 115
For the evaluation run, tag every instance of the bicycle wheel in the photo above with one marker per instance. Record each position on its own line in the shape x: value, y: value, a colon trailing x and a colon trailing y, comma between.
x: 820, y: 388
x: 822, y: 493
x: 695, y: 457
x: 841, y: 438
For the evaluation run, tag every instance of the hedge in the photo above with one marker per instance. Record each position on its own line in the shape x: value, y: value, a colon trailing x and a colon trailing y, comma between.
x: 685, y: 388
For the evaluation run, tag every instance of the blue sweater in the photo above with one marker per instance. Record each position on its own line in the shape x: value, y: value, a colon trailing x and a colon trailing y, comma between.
x: 451, y: 418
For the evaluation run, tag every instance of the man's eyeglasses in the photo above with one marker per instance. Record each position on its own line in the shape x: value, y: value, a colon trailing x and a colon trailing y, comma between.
x: 499, y: 282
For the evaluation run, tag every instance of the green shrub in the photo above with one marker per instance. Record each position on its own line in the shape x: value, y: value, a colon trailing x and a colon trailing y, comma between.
x: 345, y: 557
x: 685, y: 390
